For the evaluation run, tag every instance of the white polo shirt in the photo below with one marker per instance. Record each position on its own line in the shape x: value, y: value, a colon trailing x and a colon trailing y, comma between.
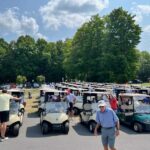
x: 5, y: 101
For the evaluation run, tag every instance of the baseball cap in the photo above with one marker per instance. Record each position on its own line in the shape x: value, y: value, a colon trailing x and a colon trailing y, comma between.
x: 101, y: 103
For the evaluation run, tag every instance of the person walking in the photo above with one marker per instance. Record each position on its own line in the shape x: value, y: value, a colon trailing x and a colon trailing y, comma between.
x: 71, y: 98
x: 113, y: 103
x: 4, y: 112
x: 109, y: 122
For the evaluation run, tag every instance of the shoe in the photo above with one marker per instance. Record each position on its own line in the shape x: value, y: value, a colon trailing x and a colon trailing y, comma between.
x: 3, y: 139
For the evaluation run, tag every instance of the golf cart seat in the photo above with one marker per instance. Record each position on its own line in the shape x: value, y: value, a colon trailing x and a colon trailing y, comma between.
x: 87, y: 108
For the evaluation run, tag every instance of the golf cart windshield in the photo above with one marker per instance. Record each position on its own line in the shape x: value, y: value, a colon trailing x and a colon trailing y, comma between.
x: 56, y: 107
x: 142, y: 105
x: 14, y: 106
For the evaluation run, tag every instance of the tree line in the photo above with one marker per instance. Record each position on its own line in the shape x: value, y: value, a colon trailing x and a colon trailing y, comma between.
x: 102, y: 50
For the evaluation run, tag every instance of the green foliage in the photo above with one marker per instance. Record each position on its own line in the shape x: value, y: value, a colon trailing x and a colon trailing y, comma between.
x: 123, y: 34
x: 144, y: 71
x: 40, y: 79
x: 103, y: 50
x: 21, y: 79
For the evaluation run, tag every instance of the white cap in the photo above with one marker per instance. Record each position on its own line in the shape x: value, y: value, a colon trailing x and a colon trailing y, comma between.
x: 101, y: 103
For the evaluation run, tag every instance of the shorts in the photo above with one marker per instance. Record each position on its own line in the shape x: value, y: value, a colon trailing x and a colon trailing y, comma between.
x: 108, y: 136
x: 70, y: 106
x: 4, y: 116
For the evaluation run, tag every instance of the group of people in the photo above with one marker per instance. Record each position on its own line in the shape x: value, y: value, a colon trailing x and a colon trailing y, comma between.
x: 4, y: 112
x: 105, y: 117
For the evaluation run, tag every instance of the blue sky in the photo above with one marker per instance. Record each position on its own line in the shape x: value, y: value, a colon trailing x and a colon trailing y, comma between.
x: 56, y: 20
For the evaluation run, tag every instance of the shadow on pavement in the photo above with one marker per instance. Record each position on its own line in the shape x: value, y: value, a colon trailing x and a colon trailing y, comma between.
x: 127, y: 129
x: 82, y: 130
x: 33, y: 115
x: 35, y: 106
x: 36, y: 102
x: 35, y: 132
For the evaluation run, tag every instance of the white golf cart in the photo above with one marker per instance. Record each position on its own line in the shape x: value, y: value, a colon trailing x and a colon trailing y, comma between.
x: 15, y: 118
x: 77, y: 107
x: 42, y: 98
x: 90, y: 106
x: 54, y: 116
x: 20, y: 94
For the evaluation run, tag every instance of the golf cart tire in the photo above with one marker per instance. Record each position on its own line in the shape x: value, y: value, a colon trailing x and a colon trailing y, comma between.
x: 15, y: 130
x: 66, y: 128
x: 45, y: 128
x: 81, y: 120
x: 92, y: 126
x: 137, y: 127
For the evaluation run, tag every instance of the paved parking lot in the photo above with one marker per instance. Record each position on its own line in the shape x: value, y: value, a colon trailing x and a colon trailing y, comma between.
x: 79, y: 138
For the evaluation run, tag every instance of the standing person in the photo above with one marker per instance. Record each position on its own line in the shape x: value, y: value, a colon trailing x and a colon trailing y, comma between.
x: 4, y: 112
x: 29, y: 95
x: 71, y: 98
x: 113, y: 103
x: 109, y: 122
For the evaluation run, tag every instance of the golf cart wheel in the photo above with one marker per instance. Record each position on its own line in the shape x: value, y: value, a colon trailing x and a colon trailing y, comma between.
x: 66, y: 128
x: 137, y: 127
x: 76, y: 111
x: 92, y: 126
x: 81, y: 120
x: 15, y: 129
x: 45, y: 128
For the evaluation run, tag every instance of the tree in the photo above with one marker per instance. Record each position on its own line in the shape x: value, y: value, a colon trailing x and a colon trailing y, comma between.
x: 123, y: 34
x: 144, y: 70
x: 40, y: 79
x: 4, y: 47
x: 87, y: 50
x: 21, y: 79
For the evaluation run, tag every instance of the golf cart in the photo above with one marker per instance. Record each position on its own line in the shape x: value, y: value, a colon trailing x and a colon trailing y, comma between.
x: 15, y: 118
x: 54, y: 116
x: 20, y: 94
x: 134, y: 110
x: 42, y: 99
x: 90, y: 106
x: 77, y: 107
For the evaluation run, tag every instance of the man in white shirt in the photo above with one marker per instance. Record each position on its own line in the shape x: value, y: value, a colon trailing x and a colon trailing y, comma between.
x: 4, y: 112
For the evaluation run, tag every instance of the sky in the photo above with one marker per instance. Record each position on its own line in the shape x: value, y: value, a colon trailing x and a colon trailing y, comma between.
x: 56, y: 20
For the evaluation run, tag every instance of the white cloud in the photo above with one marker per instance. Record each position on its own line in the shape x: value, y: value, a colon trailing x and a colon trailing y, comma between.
x: 145, y: 9
x: 40, y: 36
x: 140, y: 11
x: 147, y: 29
x: 70, y: 13
x: 12, y: 22
x: 29, y: 25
